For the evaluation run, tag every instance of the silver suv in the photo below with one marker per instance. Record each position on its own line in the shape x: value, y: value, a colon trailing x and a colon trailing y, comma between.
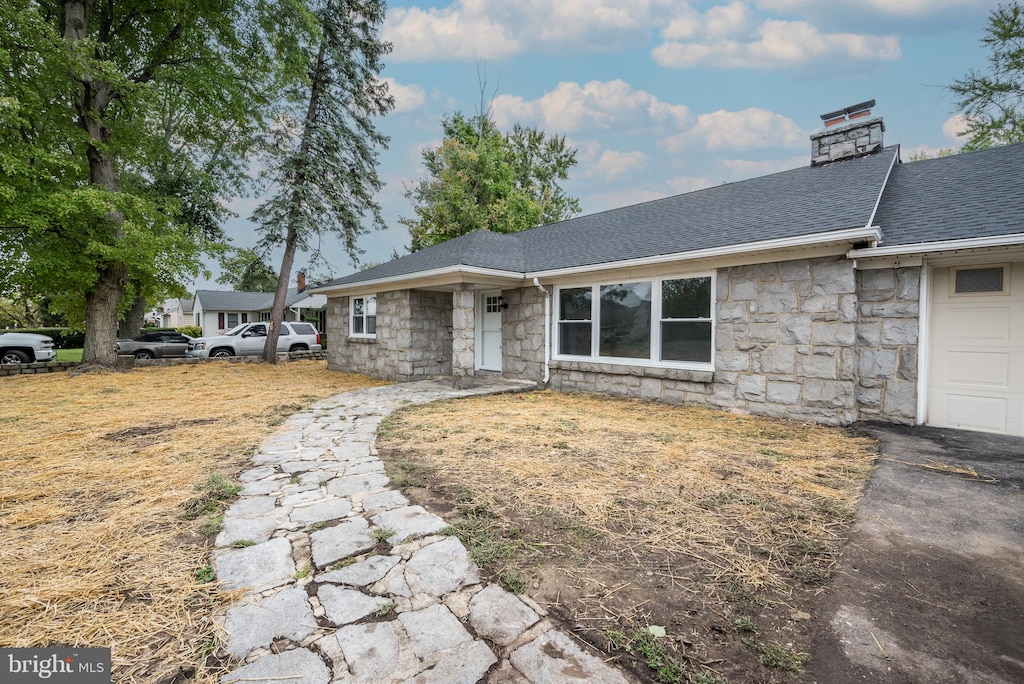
x: 18, y: 347
x: 248, y: 339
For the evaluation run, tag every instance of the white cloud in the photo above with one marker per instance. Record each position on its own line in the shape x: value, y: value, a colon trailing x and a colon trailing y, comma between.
x: 897, y: 8
x: 955, y: 128
x: 774, y: 44
x: 718, y: 22
x: 743, y: 130
x: 492, y: 29
x: 408, y: 98
x: 597, y: 105
x: 613, y: 165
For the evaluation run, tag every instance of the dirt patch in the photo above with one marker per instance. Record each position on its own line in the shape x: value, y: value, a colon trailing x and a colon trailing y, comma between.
x: 684, y: 543
x: 96, y: 543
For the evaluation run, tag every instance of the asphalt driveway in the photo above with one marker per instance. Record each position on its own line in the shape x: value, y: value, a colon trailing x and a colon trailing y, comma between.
x: 931, y: 587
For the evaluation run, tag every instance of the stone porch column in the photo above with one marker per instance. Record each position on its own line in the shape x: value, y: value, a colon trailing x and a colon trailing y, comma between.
x: 463, y: 336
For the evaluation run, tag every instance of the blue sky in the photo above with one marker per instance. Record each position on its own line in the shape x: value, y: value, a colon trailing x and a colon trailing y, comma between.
x: 661, y: 97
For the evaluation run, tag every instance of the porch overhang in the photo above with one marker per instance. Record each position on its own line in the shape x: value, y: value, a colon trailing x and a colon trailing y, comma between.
x: 448, y: 278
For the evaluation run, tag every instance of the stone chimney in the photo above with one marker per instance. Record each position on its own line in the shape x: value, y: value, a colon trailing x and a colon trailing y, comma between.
x: 849, y: 133
x: 300, y: 281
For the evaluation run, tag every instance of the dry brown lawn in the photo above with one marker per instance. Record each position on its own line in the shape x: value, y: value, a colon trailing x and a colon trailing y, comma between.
x: 621, y: 514
x: 95, y: 472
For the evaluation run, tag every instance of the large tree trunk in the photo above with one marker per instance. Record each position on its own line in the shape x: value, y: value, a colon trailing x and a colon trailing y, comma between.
x: 280, y: 296
x: 95, y: 96
x: 131, y: 325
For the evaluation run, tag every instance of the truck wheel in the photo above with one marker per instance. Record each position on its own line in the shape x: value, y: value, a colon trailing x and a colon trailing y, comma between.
x: 221, y: 353
x: 298, y: 347
x: 13, y: 356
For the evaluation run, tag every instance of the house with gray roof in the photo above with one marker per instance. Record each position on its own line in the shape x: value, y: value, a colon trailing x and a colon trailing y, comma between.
x: 217, y: 311
x: 857, y: 287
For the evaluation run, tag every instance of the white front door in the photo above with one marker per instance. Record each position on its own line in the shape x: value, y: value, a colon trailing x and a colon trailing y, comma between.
x: 488, y: 336
x: 976, y: 374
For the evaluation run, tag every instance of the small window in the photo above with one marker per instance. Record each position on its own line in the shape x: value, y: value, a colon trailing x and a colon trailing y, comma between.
x: 492, y: 304
x: 302, y: 329
x: 363, y: 317
x: 574, y: 321
x: 232, y: 319
x: 975, y: 280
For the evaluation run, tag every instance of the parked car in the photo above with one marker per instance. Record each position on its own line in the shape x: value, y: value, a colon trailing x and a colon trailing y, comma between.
x: 159, y: 344
x: 18, y: 347
x: 248, y: 339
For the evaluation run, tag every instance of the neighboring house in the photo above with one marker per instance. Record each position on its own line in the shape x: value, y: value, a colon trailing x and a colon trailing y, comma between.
x: 857, y: 287
x: 217, y: 311
x: 174, y: 313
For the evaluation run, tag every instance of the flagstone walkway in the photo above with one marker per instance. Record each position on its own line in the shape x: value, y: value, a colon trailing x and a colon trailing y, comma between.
x: 348, y: 582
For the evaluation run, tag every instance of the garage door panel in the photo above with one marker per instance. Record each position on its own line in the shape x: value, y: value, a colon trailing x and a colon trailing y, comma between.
x: 978, y: 368
x: 984, y: 323
x: 976, y: 351
x: 972, y: 412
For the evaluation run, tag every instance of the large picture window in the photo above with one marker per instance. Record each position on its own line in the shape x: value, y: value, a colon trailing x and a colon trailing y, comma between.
x: 660, y: 322
x: 363, y: 316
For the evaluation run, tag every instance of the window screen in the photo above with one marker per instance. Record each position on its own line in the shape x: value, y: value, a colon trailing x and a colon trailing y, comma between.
x: 979, y: 279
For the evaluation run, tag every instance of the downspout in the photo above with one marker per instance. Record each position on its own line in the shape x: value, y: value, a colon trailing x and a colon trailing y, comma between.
x: 547, y: 329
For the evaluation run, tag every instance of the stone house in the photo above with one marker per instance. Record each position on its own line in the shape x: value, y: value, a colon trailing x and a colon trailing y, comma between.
x: 857, y: 287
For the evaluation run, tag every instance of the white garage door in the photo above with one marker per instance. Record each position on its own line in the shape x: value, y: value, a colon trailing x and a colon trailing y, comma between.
x: 976, y: 374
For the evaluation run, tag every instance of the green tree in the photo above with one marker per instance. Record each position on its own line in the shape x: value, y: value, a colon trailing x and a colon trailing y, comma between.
x: 245, y: 271
x: 993, y: 103
x: 481, y: 179
x: 325, y: 163
x: 117, y: 121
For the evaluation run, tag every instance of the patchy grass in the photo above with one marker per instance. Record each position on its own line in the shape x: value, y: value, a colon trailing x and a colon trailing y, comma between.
x: 618, y: 514
x: 111, y: 484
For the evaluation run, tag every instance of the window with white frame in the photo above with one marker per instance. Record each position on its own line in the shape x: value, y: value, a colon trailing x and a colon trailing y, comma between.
x: 663, y: 322
x: 363, y: 316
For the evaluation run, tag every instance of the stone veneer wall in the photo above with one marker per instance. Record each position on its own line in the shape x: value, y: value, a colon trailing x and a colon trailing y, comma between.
x: 784, y: 338
x: 522, y: 334
x: 413, y: 337
x: 887, y: 337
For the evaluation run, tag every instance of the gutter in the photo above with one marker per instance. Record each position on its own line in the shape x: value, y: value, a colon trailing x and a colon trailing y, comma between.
x: 547, y: 329
x: 939, y: 246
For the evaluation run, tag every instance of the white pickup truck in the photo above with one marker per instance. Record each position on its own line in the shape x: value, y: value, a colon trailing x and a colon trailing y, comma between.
x: 16, y: 347
x: 248, y: 339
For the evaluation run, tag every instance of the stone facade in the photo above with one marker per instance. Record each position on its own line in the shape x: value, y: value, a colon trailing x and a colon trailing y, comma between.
x: 887, y: 338
x: 784, y: 341
x: 463, y: 347
x: 808, y: 339
x: 413, y: 337
x: 522, y: 334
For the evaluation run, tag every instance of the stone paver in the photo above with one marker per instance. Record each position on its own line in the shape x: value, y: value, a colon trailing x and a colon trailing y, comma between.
x: 392, y: 600
x: 284, y: 614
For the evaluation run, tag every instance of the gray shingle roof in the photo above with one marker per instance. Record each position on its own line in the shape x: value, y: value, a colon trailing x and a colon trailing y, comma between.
x: 221, y: 300
x: 975, y: 194
x: 793, y: 203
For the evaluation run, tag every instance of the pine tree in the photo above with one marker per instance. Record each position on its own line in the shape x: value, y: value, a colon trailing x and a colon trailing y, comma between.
x: 325, y: 165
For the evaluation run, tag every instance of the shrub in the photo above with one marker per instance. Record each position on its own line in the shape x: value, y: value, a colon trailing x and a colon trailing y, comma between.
x: 190, y: 330
x: 63, y: 338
